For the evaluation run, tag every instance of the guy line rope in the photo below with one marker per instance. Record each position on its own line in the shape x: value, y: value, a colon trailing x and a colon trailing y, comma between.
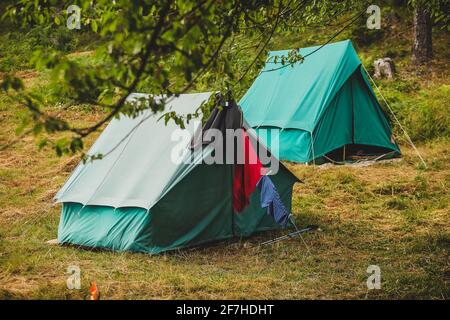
x: 395, y: 117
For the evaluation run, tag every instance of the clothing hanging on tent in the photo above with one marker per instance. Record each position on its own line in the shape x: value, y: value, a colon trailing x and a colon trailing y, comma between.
x: 226, y: 117
x: 271, y: 200
x: 246, y: 176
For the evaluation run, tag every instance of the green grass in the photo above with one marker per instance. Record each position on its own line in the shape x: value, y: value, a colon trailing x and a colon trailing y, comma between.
x: 18, y: 46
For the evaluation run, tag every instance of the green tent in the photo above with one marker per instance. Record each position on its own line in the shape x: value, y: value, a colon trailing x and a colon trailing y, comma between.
x: 321, y: 108
x: 137, y: 198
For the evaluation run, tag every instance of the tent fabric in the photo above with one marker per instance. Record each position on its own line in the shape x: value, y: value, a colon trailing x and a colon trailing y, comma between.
x: 137, y: 199
x: 146, y: 150
x: 317, y: 106
x: 196, y: 211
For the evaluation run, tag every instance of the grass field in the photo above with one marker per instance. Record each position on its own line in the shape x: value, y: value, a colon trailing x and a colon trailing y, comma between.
x: 394, y: 215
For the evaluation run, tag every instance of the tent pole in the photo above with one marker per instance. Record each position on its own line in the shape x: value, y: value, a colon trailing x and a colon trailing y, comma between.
x: 312, y: 147
x: 343, y: 153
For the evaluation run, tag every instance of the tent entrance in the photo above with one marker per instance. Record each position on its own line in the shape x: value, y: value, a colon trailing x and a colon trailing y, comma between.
x: 356, y: 153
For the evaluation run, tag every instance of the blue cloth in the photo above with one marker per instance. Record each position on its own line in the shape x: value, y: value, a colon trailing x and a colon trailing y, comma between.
x: 271, y: 200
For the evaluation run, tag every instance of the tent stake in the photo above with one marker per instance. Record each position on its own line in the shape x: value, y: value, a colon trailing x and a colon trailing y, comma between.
x: 297, y: 233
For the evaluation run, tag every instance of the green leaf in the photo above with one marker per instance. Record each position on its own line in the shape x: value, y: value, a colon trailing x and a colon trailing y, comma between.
x: 94, y: 26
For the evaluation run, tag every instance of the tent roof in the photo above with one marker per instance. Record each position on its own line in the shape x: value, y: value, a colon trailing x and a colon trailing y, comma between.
x: 139, y: 171
x: 295, y: 97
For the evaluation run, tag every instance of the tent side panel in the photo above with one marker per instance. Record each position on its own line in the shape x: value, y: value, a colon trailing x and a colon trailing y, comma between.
x: 196, y: 211
x: 335, y: 127
x: 104, y: 227
x: 289, y: 144
x: 254, y: 218
x: 371, y: 125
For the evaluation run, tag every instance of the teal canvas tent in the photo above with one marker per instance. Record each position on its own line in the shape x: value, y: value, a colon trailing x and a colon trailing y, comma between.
x: 138, y: 198
x: 321, y: 108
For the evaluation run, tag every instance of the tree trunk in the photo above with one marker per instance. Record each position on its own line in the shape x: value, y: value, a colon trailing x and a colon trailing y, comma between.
x: 422, y: 46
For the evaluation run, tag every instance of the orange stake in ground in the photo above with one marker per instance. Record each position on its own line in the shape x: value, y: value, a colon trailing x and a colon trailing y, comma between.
x: 94, y: 292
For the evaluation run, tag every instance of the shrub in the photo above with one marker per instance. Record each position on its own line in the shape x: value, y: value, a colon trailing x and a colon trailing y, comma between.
x: 423, y: 112
x: 427, y: 115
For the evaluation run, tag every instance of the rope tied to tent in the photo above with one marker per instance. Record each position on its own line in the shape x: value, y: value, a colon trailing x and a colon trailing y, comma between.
x: 408, y: 138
